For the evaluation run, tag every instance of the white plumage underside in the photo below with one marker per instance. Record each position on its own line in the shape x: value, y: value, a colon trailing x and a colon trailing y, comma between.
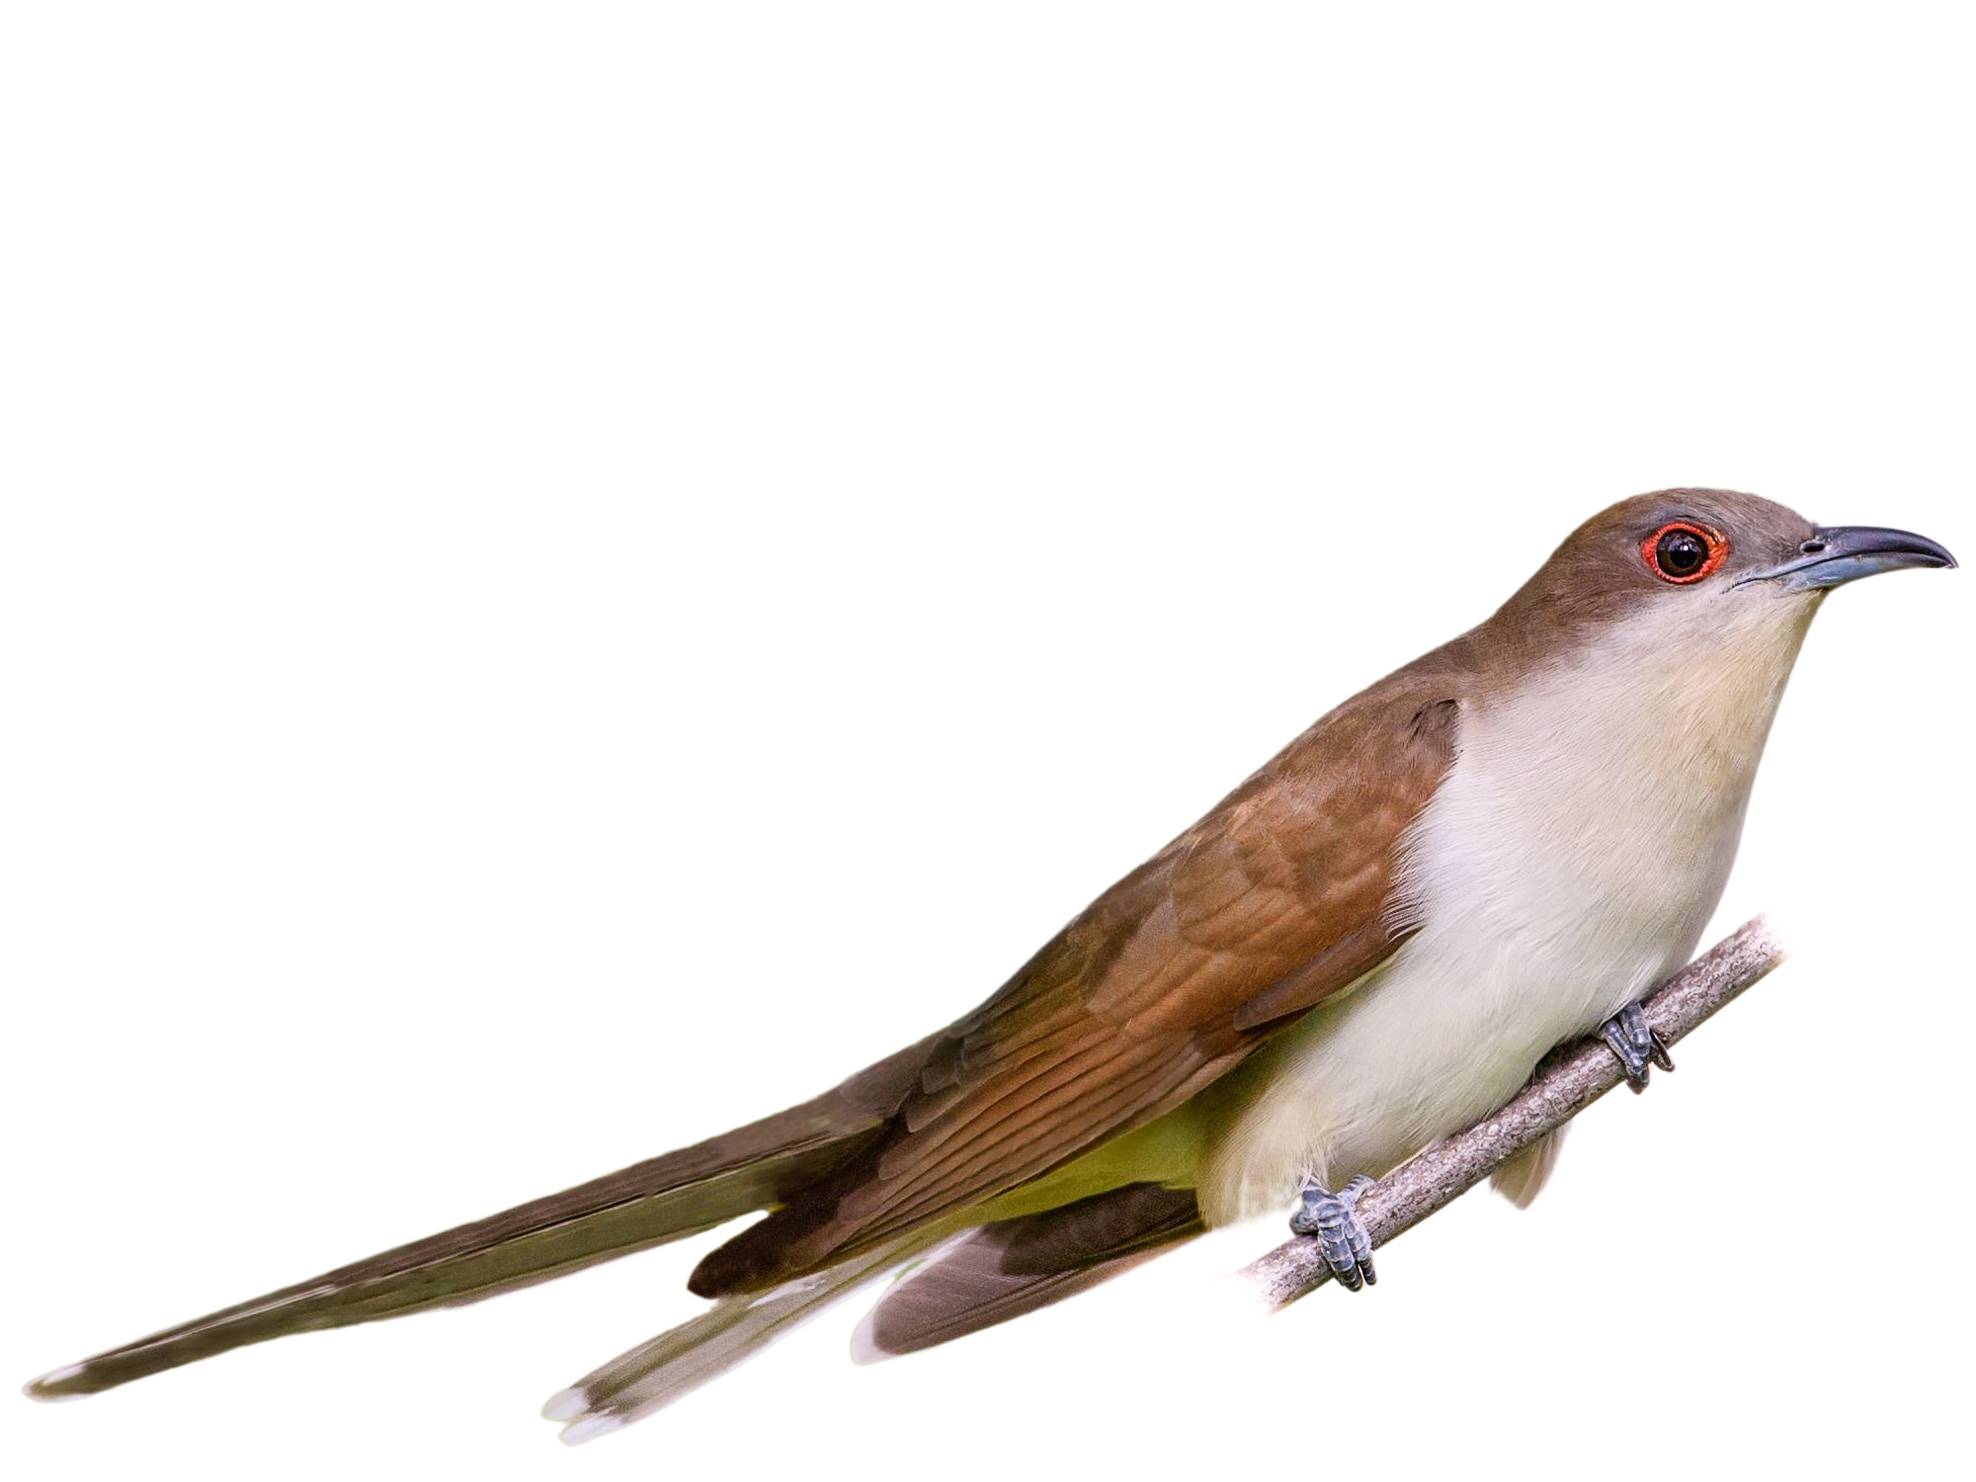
x: 1570, y: 859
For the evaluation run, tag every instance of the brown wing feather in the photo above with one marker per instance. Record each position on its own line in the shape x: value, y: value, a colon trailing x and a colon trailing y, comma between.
x: 1274, y: 901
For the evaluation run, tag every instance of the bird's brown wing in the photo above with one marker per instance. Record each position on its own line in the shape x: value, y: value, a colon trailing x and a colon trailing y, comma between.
x: 1275, y: 900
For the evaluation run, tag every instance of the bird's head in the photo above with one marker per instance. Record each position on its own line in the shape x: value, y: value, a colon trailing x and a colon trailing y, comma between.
x: 1701, y: 562
x: 1679, y: 615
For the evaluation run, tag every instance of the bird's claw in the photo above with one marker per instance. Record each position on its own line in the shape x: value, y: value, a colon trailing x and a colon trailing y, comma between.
x: 1628, y: 1035
x: 1332, y: 1219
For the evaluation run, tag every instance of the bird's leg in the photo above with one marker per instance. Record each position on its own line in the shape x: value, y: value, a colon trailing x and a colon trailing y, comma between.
x: 1333, y: 1220
x: 1629, y: 1036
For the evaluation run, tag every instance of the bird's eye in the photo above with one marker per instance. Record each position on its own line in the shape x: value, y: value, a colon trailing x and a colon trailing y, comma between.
x: 1682, y: 553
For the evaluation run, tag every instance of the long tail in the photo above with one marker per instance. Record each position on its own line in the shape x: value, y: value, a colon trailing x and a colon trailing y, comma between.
x: 754, y: 1167
x: 651, y: 1376
x: 973, y: 1280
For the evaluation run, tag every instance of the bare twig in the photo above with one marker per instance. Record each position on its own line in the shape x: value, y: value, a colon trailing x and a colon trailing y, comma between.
x: 1571, y: 1078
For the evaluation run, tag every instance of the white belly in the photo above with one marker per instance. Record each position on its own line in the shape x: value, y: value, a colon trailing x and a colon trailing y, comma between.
x: 1443, y: 1033
x: 1549, y: 887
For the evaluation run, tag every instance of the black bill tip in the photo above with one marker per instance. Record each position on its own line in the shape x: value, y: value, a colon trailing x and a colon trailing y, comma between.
x: 1837, y: 554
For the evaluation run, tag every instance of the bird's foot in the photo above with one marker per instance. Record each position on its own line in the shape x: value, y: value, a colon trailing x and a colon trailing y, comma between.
x: 1628, y: 1035
x: 1333, y: 1220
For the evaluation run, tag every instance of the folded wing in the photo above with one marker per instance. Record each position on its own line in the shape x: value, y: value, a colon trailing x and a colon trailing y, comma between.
x: 1274, y: 901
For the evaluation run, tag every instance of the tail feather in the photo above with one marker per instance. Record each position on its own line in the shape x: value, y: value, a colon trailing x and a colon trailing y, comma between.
x: 1523, y: 1177
x: 972, y: 1280
x: 665, y: 1198
x: 654, y: 1374
x: 1017, y: 1266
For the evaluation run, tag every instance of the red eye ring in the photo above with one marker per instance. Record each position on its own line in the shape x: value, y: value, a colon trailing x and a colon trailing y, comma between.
x: 1663, y: 557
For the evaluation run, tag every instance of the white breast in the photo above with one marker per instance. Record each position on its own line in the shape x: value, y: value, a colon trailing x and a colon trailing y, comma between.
x: 1570, y: 859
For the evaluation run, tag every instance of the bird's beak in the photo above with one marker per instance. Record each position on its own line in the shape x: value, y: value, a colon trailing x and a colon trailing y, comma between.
x: 1837, y: 554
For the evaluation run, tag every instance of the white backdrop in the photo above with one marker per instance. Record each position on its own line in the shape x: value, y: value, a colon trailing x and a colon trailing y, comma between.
x: 572, y: 574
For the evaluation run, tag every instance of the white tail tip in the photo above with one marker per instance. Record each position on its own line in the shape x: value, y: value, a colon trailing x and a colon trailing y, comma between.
x: 589, y: 1428
x: 565, y: 1404
x: 864, y: 1342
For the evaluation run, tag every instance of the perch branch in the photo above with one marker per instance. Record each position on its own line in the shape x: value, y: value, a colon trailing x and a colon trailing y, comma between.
x: 1570, y: 1079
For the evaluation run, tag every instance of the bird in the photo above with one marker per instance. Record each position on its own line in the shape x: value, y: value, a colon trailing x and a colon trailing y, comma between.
x: 1367, y: 945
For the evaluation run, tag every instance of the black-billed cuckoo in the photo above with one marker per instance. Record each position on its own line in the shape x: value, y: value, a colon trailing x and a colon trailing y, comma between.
x: 1363, y: 948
